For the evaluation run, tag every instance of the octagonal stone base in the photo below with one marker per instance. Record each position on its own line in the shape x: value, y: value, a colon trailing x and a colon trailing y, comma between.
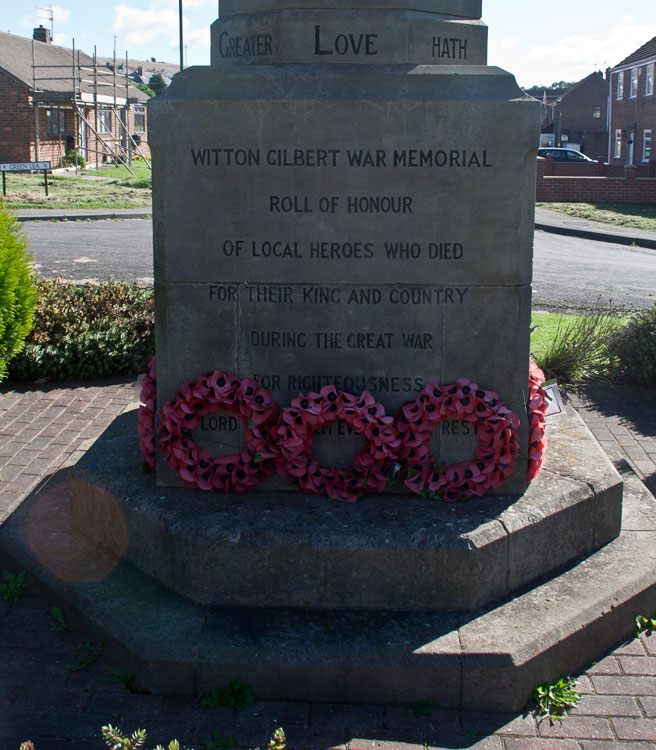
x: 389, y: 552
x: 488, y: 658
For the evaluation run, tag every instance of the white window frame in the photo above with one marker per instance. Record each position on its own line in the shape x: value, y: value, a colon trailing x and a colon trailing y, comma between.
x: 596, y: 111
x: 104, y: 121
x: 617, y: 154
x: 649, y: 80
x: 620, y: 85
x: 646, y: 144
x: 634, y: 83
x: 56, y: 121
x: 139, y: 117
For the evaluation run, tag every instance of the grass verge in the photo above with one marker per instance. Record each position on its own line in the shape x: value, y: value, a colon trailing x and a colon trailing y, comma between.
x: 26, y: 191
x: 632, y: 215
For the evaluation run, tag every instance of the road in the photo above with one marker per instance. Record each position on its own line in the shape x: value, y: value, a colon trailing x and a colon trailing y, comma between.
x: 567, y: 271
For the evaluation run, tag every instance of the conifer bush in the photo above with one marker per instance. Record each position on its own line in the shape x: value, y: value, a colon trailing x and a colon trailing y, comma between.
x: 17, y: 293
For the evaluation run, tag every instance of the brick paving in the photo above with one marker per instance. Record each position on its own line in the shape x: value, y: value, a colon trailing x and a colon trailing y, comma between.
x: 44, y: 428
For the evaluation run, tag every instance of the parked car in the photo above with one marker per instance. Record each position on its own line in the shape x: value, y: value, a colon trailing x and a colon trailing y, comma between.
x: 565, y: 154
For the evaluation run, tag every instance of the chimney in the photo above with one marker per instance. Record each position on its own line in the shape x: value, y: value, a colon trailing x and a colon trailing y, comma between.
x: 42, y: 35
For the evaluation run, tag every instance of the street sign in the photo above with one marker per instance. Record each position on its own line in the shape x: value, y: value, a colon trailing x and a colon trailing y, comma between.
x: 25, y: 166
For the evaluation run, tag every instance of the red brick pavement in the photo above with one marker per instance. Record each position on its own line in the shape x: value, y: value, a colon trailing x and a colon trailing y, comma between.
x: 44, y: 428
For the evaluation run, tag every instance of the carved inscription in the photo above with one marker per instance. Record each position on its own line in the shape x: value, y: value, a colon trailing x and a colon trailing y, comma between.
x: 449, y: 48
x: 342, y: 44
x: 447, y: 158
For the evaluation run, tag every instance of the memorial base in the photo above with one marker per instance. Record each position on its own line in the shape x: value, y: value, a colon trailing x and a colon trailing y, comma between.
x: 469, y: 655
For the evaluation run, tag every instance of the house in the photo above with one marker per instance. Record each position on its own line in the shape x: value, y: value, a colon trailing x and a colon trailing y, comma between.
x: 632, y: 104
x: 577, y: 117
x: 54, y: 100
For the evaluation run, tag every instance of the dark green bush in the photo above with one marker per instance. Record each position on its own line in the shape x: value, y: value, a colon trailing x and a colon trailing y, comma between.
x: 636, y: 349
x: 69, y: 160
x: 17, y: 293
x: 87, y: 331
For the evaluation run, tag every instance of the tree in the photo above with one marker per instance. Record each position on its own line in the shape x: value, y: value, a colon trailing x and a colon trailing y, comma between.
x: 146, y: 89
x: 157, y: 84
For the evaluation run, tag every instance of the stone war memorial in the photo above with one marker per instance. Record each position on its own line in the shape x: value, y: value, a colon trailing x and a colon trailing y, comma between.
x: 345, y: 438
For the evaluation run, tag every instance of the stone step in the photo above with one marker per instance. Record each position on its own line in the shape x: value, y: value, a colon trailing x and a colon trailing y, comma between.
x: 389, y: 552
x: 490, y: 659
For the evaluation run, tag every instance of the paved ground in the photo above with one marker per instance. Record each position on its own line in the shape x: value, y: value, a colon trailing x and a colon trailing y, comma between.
x: 45, y: 427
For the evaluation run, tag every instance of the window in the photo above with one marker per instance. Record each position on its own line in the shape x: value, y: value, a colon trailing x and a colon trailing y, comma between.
x: 620, y: 85
x: 596, y: 111
x: 104, y: 121
x: 618, y: 143
x: 634, y: 82
x: 139, y: 118
x: 649, y: 83
x: 56, y: 118
x: 646, y: 145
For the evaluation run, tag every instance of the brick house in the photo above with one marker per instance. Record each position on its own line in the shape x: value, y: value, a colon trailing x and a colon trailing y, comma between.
x: 577, y: 118
x: 54, y: 99
x: 632, y: 104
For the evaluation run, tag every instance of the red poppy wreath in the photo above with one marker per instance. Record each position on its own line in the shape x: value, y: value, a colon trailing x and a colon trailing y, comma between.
x: 396, y: 447
x: 237, y: 472
x: 296, y: 429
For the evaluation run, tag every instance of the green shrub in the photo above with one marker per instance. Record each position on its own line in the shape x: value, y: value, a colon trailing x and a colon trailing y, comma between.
x: 69, y: 160
x: 87, y: 331
x: 635, y: 348
x: 581, y: 349
x: 17, y: 294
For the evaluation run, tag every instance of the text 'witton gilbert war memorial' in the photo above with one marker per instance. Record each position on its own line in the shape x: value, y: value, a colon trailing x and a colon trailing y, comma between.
x: 345, y: 435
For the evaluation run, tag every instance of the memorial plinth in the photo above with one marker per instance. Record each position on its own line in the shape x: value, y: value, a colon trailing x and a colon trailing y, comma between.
x: 345, y: 197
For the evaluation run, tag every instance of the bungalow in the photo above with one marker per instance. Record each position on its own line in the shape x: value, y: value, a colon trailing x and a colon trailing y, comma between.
x: 54, y: 100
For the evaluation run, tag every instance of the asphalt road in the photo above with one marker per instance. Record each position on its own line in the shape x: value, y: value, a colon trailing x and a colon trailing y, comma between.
x: 568, y: 271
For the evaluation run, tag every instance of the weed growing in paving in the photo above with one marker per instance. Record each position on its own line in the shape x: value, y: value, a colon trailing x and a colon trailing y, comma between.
x: 118, y: 675
x: 555, y: 699
x: 235, y: 695
x: 644, y: 625
x: 218, y: 742
x: 93, y: 651
x: 61, y: 623
x: 13, y: 585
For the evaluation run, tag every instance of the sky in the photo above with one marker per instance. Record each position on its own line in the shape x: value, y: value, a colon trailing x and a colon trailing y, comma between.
x: 538, y: 43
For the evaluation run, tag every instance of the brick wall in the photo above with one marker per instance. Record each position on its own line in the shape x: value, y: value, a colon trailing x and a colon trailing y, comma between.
x: 16, y: 121
x: 629, y: 187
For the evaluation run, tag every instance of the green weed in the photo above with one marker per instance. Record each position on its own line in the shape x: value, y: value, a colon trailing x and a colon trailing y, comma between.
x: 61, y: 621
x: 93, y: 653
x: 118, y: 675
x: 554, y: 700
x: 235, y: 695
x: 13, y: 586
x: 644, y: 625
x: 218, y: 742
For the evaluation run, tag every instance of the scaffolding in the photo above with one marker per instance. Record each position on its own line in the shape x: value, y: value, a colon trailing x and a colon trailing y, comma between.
x: 95, y: 91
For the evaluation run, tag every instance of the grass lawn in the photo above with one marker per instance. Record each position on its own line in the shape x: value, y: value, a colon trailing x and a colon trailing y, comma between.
x: 635, y: 215
x: 544, y: 327
x: 117, y: 189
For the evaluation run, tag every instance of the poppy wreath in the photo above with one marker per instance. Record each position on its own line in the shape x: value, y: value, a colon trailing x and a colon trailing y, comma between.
x: 237, y: 472
x: 146, y: 425
x: 297, y: 426
x: 495, y: 427
x: 396, y: 447
x: 537, y: 408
